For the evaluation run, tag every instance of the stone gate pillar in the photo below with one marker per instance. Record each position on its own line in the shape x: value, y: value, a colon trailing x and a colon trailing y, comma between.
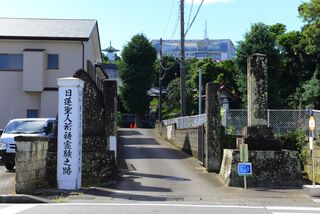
x: 69, y: 155
x: 213, y: 147
x: 109, y: 88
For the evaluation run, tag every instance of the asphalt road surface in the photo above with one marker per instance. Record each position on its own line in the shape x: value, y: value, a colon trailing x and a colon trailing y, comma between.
x: 84, y: 208
x: 154, y: 171
x: 7, y: 180
x: 158, y: 178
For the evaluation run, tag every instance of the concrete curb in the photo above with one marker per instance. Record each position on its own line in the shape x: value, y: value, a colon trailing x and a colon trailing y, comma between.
x: 21, y: 199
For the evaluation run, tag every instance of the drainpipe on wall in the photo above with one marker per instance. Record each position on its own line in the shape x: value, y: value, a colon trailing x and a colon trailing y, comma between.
x: 82, y: 55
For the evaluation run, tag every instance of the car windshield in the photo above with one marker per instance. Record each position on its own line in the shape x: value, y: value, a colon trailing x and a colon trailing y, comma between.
x: 25, y: 127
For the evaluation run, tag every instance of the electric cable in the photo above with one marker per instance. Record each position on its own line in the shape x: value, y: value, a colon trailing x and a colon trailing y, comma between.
x: 165, y: 29
x: 194, y: 18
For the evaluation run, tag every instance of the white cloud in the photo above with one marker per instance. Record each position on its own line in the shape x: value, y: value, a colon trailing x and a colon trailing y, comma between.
x: 208, y: 1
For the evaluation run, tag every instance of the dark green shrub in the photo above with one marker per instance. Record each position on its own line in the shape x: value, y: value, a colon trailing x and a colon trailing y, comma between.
x: 294, y: 140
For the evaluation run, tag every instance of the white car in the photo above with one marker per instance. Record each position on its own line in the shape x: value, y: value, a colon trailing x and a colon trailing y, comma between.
x: 22, y: 127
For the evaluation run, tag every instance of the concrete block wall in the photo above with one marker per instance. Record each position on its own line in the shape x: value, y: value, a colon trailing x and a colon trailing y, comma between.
x: 187, y: 141
x: 184, y: 139
x: 31, y: 163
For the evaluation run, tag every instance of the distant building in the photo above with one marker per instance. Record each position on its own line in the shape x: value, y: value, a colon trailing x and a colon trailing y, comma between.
x: 111, y: 53
x: 217, y: 49
x: 34, y: 53
x: 113, y: 72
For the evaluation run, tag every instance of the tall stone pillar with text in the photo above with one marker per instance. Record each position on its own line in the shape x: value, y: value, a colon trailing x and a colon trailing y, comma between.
x: 257, y: 134
x: 271, y: 166
x: 69, y: 155
x: 213, y: 146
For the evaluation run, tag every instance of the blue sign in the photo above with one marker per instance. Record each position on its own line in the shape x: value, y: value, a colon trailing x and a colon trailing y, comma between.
x: 244, y: 169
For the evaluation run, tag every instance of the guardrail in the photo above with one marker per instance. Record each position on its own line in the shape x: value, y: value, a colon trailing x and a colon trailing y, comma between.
x: 186, y: 122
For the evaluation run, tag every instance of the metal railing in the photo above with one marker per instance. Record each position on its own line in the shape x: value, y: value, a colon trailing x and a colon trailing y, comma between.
x: 186, y: 122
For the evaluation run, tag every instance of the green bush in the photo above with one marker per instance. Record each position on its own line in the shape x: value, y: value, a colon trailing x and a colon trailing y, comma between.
x: 294, y: 140
x: 119, y: 117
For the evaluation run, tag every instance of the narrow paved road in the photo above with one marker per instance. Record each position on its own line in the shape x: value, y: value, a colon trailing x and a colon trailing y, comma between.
x: 7, y: 180
x: 157, y: 172
x: 153, y: 170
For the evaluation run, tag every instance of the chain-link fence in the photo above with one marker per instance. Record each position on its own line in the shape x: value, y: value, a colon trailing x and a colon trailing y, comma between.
x: 316, y: 115
x: 281, y: 120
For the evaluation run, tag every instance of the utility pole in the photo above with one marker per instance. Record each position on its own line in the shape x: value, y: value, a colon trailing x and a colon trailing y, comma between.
x: 160, y: 83
x: 182, y: 66
x: 200, y: 90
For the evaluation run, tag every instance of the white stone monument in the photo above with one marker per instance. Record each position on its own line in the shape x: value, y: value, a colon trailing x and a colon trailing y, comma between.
x: 69, y: 133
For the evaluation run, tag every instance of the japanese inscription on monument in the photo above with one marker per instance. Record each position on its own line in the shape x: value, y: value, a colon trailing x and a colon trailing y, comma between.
x: 69, y: 133
x: 67, y: 152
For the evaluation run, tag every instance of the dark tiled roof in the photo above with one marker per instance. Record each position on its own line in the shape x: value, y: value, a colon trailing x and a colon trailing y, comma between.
x: 59, y: 29
x: 109, y: 66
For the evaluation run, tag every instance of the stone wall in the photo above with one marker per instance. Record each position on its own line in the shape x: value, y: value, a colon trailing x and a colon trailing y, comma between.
x: 36, y: 157
x: 277, y: 169
x: 31, y: 163
x: 99, y: 123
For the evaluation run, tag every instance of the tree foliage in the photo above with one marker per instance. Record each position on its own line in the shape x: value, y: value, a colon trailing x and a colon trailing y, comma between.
x: 260, y: 39
x: 171, y: 70
x: 212, y: 71
x: 136, y: 73
x: 172, y: 103
x: 310, y: 13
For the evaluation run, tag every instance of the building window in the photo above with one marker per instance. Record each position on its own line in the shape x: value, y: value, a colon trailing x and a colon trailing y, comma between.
x: 32, y: 113
x: 53, y: 61
x: 11, y: 62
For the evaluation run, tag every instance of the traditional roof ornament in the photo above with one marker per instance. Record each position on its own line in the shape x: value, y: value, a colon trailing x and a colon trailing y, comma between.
x: 110, y: 49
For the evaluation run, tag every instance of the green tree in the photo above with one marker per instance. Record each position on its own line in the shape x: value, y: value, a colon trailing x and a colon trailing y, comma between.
x: 171, y: 105
x: 170, y: 72
x: 310, y: 13
x: 212, y: 71
x: 260, y: 39
x: 311, y: 91
x: 136, y: 73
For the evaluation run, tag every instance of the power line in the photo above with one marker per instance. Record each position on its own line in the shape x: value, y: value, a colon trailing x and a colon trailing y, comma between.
x: 175, y: 26
x: 190, y: 13
x: 165, y: 30
x: 194, y: 18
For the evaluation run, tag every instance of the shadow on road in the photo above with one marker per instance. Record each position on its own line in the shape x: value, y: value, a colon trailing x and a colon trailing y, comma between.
x: 164, y: 177
x: 139, y: 141
x: 150, y: 153
x: 128, y: 133
x: 100, y: 191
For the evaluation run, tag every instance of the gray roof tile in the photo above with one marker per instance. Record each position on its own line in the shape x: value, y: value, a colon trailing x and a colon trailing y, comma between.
x: 46, y: 28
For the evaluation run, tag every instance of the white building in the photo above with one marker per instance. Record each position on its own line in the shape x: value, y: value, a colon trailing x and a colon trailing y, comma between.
x: 33, y: 54
x: 217, y: 49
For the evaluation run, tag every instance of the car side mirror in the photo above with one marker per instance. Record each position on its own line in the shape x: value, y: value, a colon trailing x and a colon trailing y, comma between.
x: 46, y: 130
x: 1, y: 132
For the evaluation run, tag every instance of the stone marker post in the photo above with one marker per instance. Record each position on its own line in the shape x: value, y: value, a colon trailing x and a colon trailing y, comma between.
x: 257, y: 134
x: 69, y: 156
x: 257, y: 90
x: 213, y: 147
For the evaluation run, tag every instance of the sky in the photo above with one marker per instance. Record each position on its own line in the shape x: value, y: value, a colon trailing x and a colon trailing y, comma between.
x: 120, y: 20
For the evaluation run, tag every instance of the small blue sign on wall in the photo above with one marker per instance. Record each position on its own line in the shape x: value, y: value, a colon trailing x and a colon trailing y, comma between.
x: 245, y: 169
